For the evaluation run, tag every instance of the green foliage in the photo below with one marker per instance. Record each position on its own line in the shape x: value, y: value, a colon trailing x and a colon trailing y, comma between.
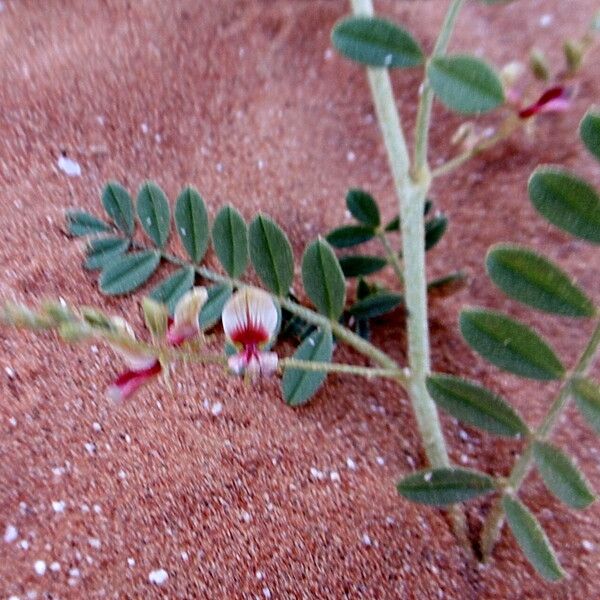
x: 191, y: 219
x: 435, y: 229
x: 474, y: 404
x: 323, y: 279
x: 589, y: 131
x: 170, y: 290
x: 102, y: 251
x: 561, y: 476
x: 587, y: 397
x: 210, y: 314
x: 567, y: 202
x: 357, y: 265
x: 127, y: 273
x: 531, y: 538
x: 510, y: 345
x: 81, y: 223
x: 230, y: 240
x: 271, y: 255
x: 465, y: 84
x: 376, y: 42
x: 119, y: 206
x: 299, y: 385
x: 532, y: 279
x: 363, y: 207
x: 376, y: 304
x: 350, y: 235
x: 153, y: 212
x: 440, y: 487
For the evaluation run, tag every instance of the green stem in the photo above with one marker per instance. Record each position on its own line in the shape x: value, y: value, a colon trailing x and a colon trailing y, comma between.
x: 494, y: 521
x: 426, y: 101
x: 368, y: 372
x: 392, y: 257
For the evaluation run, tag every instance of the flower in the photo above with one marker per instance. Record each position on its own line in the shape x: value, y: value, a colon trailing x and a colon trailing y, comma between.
x: 555, y: 99
x: 185, y: 324
x: 143, y: 365
x: 250, y: 320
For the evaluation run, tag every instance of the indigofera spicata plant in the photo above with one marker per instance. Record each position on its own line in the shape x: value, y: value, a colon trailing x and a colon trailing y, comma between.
x: 341, y: 297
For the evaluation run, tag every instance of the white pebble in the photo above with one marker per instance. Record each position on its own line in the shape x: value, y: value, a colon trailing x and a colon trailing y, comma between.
x: 24, y: 544
x: 335, y: 477
x: 74, y: 572
x: 69, y: 167
x: 10, y: 534
x: 350, y: 156
x: 427, y: 476
x: 55, y: 567
x: 58, y: 506
x: 260, y: 575
x: 387, y: 61
x: 246, y: 516
x: 122, y: 475
x: 316, y: 474
x: 546, y: 20
x: 390, y: 520
x: 96, y: 426
x: 587, y: 545
x: 380, y: 460
x: 328, y: 54
x: 158, y: 577
x: 351, y: 464
x: 58, y: 471
x: 9, y: 372
x: 266, y: 593
x: 185, y: 556
x: 13, y: 421
x: 39, y: 567
x: 95, y: 543
x: 366, y: 540
x: 217, y: 409
x: 90, y: 447
x: 131, y: 562
x: 144, y: 128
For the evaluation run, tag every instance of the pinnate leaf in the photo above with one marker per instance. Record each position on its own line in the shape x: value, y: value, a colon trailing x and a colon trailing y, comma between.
x: 119, y: 206
x: 356, y: 265
x: 465, y: 84
x: 323, y: 279
x: 153, y: 212
x: 213, y: 307
x: 376, y: 304
x: 561, y: 476
x: 375, y: 42
x: 435, y: 230
x: 103, y: 250
x: 350, y: 235
x: 191, y: 219
x: 299, y: 385
x: 170, y: 290
x: 567, y: 202
x: 587, y: 398
x: 532, y: 539
x: 510, y: 345
x: 271, y: 255
x: 440, y: 487
x: 589, y: 131
x: 532, y: 279
x: 82, y: 223
x: 127, y: 273
x: 472, y: 403
x: 230, y: 240
x: 363, y: 207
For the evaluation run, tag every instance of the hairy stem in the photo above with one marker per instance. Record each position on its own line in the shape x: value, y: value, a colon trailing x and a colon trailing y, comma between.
x: 392, y: 257
x: 426, y: 101
x: 368, y: 372
x: 411, y: 189
x: 494, y: 521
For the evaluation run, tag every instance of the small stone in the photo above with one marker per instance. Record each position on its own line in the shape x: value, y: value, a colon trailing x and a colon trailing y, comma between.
x: 335, y: 477
x: 216, y: 409
x: 144, y: 128
x: 158, y: 577
x: 316, y: 474
x: 58, y: 506
x: 95, y: 543
x: 55, y: 567
x: 97, y: 509
x: 350, y: 156
x: 121, y: 474
x: 380, y: 460
x: 131, y: 562
x: 9, y: 372
x: 90, y: 447
x: 245, y: 516
x: 587, y: 545
x: 266, y: 593
x: 351, y: 464
x: 69, y: 167
x: 546, y: 20
x: 10, y: 534
x: 366, y: 540
x: 185, y: 556
x: 260, y: 575
x: 24, y: 544
x: 96, y: 426
x: 39, y: 567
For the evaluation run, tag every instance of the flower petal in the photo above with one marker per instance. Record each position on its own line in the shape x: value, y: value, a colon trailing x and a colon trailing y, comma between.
x: 128, y: 383
x: 555, y: 99
x: 125, y: 346
x: 250, y: 317
x: 186, y: 325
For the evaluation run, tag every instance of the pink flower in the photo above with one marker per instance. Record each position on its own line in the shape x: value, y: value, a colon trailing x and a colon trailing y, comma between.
x: 556, y: 99
x: 185, y: 324
x: 250, y: 320
x: 144, y: 366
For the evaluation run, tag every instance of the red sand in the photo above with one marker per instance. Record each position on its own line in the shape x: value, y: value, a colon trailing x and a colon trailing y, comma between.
x: 245, y: 100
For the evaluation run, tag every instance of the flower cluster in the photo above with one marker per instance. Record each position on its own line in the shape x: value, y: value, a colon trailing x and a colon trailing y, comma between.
x: 250, y: 319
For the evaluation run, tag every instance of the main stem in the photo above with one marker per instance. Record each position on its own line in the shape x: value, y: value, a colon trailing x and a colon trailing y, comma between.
x: 493, y: 524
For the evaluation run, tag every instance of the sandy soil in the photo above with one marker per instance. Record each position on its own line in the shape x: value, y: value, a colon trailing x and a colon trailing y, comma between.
x: 246, y: 100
